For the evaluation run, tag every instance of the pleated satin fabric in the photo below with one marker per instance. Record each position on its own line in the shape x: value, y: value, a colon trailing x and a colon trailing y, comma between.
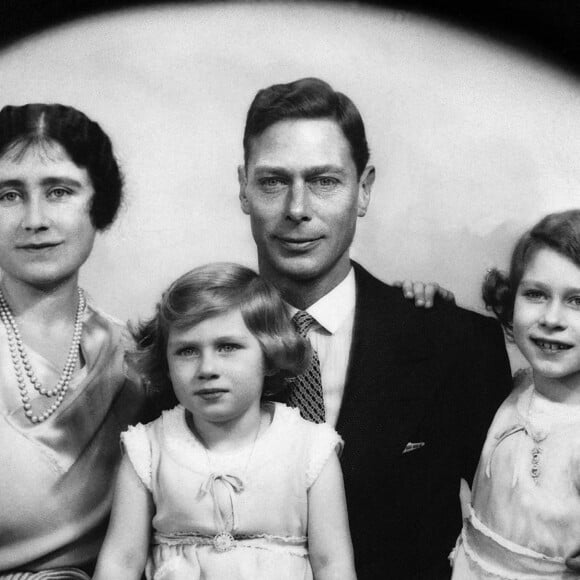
x: 57, y: 477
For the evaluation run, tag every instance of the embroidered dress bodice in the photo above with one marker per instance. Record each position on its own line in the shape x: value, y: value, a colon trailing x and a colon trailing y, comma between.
x: 526, y: 492
x: 259, y: 496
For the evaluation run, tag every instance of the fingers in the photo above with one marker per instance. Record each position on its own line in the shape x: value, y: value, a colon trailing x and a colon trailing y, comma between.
x: 424, y: 293
x: 420, y: 292
x: 432, y: 289
x: 412, y: 290
x: 446, y: 294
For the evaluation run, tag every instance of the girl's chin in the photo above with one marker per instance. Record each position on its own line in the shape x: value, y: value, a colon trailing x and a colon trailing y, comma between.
x: 549, y: 372
x: 215, y: 416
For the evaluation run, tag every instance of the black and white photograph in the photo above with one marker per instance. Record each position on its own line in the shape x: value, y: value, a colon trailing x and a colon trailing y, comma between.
x: 289, y: 290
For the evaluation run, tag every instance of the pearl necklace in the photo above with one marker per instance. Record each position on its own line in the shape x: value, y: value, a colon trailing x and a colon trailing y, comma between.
x: 22, y: 366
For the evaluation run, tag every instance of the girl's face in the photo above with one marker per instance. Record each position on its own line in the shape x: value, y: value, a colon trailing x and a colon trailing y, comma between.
x: 547, y: 317
x: 216, y: 368
x: 46, y: 232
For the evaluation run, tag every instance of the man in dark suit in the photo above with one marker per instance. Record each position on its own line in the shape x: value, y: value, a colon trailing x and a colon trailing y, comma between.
x: 411, y: 391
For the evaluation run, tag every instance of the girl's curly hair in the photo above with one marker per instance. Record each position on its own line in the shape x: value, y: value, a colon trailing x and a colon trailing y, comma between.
x: 557, y: 231
x: 209, y: 291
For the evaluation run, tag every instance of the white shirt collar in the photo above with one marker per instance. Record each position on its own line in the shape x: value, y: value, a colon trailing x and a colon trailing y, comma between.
x: 335, y: 307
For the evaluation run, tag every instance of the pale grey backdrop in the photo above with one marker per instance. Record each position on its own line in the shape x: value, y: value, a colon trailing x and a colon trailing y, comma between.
x: 473, y: 141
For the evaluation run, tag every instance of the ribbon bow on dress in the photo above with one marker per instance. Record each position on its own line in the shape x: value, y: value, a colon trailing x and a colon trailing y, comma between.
x: 226, y: 522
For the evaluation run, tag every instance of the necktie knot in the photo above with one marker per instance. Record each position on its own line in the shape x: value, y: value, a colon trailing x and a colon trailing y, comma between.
x: 303, y: 322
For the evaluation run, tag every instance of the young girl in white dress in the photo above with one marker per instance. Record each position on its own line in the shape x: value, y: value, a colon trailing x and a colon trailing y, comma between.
x: 524, y: 519
x: 225, y: 485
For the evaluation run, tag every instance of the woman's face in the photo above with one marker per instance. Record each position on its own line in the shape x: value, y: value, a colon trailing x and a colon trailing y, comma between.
x: 46, y: 232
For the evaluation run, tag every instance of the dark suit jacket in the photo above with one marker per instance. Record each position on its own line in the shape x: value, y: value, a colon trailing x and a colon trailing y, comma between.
x: 415, y: 375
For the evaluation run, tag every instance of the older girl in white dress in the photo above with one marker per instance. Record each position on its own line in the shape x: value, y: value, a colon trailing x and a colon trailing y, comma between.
x: 524, y: 521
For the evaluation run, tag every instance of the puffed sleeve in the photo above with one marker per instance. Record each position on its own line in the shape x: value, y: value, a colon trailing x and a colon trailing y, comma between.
x: 135, y: 442
x: 324, y: 441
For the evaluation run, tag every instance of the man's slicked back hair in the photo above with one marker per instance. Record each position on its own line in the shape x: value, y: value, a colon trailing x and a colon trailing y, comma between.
x: 308, y: 98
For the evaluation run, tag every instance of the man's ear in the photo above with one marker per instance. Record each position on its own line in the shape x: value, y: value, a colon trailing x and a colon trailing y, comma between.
x: 367, y: 179
x: 243, y: 181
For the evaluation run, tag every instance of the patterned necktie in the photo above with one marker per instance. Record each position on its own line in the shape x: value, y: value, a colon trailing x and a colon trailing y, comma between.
x: 306, y: 389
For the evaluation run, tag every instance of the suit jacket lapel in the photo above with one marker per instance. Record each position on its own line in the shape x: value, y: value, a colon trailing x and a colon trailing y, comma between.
x: 391, y: 370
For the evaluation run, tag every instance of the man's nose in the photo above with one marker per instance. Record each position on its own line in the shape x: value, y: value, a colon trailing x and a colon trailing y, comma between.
x: 299, y: 204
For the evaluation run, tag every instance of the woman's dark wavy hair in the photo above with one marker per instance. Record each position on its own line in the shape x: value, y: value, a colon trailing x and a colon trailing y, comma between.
x: 557, y: 231
x: 308, y: 98
x: 209, y: 291
x: 85, y: 142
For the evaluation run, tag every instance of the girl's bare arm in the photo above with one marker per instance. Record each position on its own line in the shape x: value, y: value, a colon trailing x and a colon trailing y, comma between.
x: 124, y: 552
x: 329, y: 542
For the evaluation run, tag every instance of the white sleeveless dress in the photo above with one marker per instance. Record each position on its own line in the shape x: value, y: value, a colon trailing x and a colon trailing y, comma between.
x: 245, y: 518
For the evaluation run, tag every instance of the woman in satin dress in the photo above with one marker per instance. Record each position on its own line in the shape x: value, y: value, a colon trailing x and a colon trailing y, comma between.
x: 65, y: 395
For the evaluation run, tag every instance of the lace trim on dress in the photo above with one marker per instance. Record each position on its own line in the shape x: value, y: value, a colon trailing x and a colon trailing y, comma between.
x: 511, y: 546
x: 472, y: 557
x: 325, y: 441
x: 136, y: 444
x: 486, y: 550
x: 294, y: 545
x: 54, y: 574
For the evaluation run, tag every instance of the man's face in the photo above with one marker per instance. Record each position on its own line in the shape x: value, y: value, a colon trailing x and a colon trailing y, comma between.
x: 301, y: 190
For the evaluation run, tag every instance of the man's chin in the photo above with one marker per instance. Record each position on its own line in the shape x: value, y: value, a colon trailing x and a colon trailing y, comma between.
x: 298, y: 268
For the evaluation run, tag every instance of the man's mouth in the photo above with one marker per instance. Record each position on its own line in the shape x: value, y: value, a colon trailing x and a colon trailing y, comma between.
x: 298, y: 242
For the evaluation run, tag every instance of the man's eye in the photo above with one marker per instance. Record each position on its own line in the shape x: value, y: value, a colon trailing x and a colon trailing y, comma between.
x: 271, y: 183
x: 9, y: 196
x: 325, y: 181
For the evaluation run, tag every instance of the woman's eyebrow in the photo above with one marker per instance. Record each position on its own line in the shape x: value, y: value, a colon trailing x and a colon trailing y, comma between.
x: 46, y: 181
x: 61, y: 180
x: 231, y: 337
